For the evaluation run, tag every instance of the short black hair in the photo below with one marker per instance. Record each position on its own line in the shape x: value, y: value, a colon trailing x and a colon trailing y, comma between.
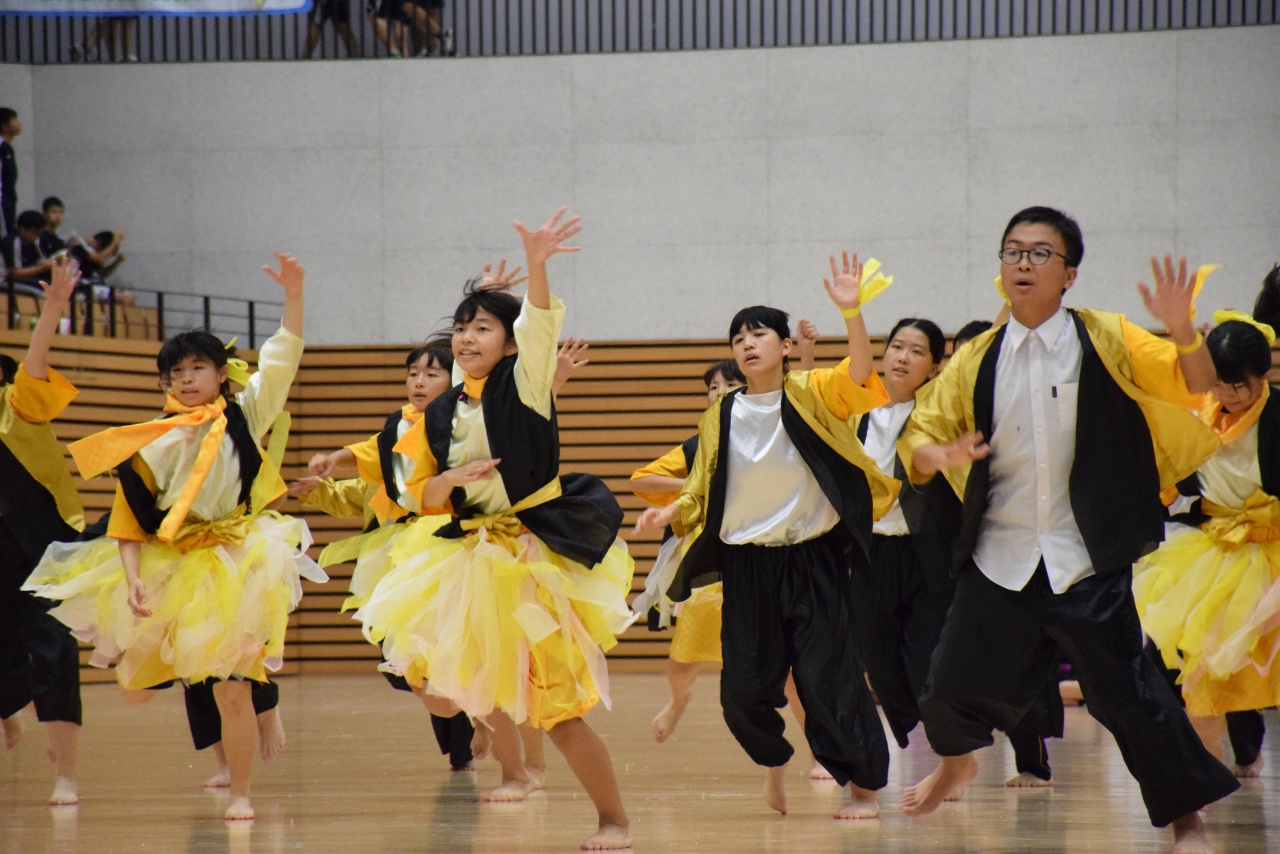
x: 33, y: 220
x: 103, y: 239
x: 937, y: 341
x: 51, y: 202
x: 1060, y: 222
x: 7, y: 114
x: 968, y: 332
x: 8, y: 369
x: 438, y: 349
x: 1240, y: 352
x: 727, y: 369
x: 198, y: 343
x: 760, y: 317
x: 500, y: 303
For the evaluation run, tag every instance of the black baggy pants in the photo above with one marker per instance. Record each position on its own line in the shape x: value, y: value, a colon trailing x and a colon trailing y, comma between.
x: 787, y: 609
x: 996, y: 647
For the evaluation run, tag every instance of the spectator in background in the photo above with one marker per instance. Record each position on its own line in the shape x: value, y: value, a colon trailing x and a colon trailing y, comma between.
x: 22, y: 255
x: 337, y: 11
x: 389, y: 24
x: 50, y: 243
x: 99, y: 256
x: 9, y: 128
x: 426, y: 18
x: 108, y: 29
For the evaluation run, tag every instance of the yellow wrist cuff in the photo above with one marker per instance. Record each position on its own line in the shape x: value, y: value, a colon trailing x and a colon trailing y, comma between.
x: 1188, y: 349
x: 851, y: 312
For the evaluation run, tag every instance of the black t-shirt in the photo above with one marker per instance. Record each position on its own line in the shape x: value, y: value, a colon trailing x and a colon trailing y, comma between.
x: 50, y: 243
x: 20, y: 254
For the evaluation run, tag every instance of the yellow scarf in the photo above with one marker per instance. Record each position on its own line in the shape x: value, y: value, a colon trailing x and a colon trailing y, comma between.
x: 473, y: 387
x: 104, y: 451
x: 1232, y: 425
x: 410, y: 413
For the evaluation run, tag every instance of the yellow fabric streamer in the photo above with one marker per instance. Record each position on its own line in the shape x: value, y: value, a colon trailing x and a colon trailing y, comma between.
x: 1258, y: 521
x: 503, y: 526
x: 1220, y: 317
x: 473, y: 387
x: 873, y: 282
x: 998, y: 281
x: 237, y: 369
x: 1201, y: 274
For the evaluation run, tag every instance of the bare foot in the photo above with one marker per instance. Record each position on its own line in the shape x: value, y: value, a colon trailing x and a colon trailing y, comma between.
x: 775, y: 788
x: 511, y: 790
x: 957, y: 793
x: 12, y: 731
x: 610, y: 837
x: 1189, y: 836
x: 664, y: 723
x: 1027, y: 780
x: 240, y: 809
x: 861, y: 803
x: 221, y: 778
x: 925, y: 797
x: 65, y: 793
x: 1251, y: 771
x: 537, y: 774
x: 817, y: 772
x: 270, y: 734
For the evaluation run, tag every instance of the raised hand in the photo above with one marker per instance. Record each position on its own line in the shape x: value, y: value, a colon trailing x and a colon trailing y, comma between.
x: 569, y: 359
x: 289, y: 276
x: 65, y: 273
x: 1171, y: 301
x: 845, y: 282
x: 547, y: 241
x: 501, y: 280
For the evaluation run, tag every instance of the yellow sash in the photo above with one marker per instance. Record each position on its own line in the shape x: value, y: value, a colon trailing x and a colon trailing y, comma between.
x: 503, y: 527
x: 1258, y: 521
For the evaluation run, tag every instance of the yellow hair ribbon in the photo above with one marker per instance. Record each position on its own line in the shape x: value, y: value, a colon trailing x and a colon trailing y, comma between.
x: 1202, y: 273
x: 873, y: 282
x: 1264, y: 328
x: 1000, y: 288
x: 237, y: 369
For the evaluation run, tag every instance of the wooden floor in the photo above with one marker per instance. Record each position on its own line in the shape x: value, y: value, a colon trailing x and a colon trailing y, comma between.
x: 361, y: 774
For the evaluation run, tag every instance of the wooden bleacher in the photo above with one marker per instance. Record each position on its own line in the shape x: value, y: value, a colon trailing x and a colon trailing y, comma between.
x: 631, y: 404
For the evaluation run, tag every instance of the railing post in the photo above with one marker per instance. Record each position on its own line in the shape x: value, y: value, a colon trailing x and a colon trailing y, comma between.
x: 160, y: 316
x: 253, y: 326
x: 88, y: 310
x: 205, y: 302
x: 111, y: 307
x: 13, y: 303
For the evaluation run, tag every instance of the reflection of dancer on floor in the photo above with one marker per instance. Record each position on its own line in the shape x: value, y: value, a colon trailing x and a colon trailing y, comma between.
x: 39, y: 660
x: 195, y: 578
x: 780, y: 499
x: 1209, y: 598
x: 697, y: 620
x: 505, y: 613
x: 1048, y: 427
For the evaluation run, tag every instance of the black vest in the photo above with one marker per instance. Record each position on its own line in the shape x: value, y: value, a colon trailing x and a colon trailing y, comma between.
x: 843, y: 483
x: 1114, y: 484
x: 29, y: 510
x: 932, y: 512
x: 143, y: 503
x: 581, y: 524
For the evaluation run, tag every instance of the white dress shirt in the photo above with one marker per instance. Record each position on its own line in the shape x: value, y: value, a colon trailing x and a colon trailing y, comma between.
x: 1029, y: 515
x: 884, y: 426
x: 771, y: 497
x: 1231, y: 475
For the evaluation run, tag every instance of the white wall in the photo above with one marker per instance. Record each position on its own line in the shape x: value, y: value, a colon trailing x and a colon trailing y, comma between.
x: 706, y: 181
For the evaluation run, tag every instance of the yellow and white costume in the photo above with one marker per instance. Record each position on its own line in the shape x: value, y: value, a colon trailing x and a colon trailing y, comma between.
x: 1209, y: 597
x: 495, y: 617
x: 220, y: 577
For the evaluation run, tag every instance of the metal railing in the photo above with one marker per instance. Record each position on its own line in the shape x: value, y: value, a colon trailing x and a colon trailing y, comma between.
x: 540, y: 27
x: 152, y: 315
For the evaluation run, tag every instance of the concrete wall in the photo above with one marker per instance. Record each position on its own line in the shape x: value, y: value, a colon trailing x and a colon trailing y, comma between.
x: 706, y: 181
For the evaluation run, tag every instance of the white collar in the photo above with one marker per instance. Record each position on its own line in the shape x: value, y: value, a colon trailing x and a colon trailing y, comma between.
x: 1050, y: 332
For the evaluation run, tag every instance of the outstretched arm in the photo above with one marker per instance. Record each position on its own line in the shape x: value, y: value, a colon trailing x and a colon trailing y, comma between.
x: 322, y: 465
x: 57, y: 299
x: 539, y: 246
x: 1172, y: 303
x: 843, y: 289
x: 290, y: 277
x: 570, y: 358
x: 806, y: 340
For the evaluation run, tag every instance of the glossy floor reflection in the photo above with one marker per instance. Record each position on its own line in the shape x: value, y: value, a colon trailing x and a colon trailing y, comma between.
x: 361, y: 773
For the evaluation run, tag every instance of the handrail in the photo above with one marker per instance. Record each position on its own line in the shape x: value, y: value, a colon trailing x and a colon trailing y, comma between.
x: 540, y: 27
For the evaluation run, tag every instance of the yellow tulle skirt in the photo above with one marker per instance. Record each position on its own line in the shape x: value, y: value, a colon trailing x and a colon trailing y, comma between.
x: 468, y: 621
x: 372, y: 553
x: 1213, y: 609
x: 698, y: 619
x: 216, y: 612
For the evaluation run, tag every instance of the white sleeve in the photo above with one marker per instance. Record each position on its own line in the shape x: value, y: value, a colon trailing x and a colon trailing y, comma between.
x: 537, y: 332
x: 264, y: 397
